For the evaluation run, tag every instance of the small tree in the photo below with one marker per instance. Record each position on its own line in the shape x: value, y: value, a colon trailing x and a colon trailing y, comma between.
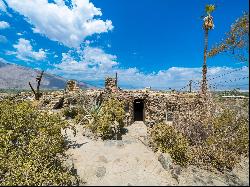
x: 236, y: 42
x: 37, y: 92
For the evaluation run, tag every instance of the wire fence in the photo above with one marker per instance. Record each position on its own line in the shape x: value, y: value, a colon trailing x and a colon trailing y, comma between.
x: 195, y: 84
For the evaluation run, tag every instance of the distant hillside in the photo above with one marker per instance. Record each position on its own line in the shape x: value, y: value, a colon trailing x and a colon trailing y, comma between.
x: 17, y: 77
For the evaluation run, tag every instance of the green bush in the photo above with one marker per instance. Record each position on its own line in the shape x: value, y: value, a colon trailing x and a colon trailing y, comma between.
x: 82, y: 116
x: 168, y: 139
x: 106, y: 120
x: 70, y: 112
x: 32, y: 147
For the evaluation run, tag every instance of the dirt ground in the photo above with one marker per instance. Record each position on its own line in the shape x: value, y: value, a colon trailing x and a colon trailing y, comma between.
x: 128, y: 162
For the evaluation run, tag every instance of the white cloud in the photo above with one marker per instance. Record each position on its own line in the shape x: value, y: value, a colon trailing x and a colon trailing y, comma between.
x: 92, y: 61
x: 5, y: 61
x: 4, y: 25
x: 3, y: 9
x: 94, y: 65
x: 3, y: 39
x: 58, y: 22
x: 24, y: 51
x: 68, y: 64
x: 98, y: 58
x: 2, y: 6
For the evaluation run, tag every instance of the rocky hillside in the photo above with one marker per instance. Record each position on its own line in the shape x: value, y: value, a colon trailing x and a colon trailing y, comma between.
x: 17, y: 77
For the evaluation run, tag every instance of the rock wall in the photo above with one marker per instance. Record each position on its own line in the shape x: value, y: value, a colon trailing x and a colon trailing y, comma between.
x: 170, y: 107
x: 111, y: 84
x: 158, y: 104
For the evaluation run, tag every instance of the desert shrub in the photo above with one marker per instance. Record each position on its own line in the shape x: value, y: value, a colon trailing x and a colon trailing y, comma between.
x: 192, y: 120
x: 32, y: 147
x: 228, y: 140
x: 225, y: 140
x: 105, y: 120
x: 111, y: 118
x: 168, y: 139
x: 83, y: 100
x: 83, y: 115
x: 70, y: 112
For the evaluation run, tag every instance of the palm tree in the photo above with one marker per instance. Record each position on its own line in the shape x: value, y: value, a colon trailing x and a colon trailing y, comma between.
x: 207, y: 25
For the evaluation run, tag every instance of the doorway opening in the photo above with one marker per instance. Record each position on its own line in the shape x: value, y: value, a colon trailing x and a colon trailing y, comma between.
x: 138, y: 110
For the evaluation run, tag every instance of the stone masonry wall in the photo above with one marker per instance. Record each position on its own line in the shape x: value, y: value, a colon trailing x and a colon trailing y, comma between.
x: 110, y: 84
x: 157, y: 105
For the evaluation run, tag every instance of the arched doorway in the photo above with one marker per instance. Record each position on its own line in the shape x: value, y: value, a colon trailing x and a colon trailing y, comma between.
x: 138, y: 110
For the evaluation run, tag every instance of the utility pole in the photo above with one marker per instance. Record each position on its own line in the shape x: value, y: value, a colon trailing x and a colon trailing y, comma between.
x: 116, y: 79
x: 190, y: 86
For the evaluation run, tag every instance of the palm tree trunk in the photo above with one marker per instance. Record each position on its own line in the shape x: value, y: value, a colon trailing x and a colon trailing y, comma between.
x: 204, y: 69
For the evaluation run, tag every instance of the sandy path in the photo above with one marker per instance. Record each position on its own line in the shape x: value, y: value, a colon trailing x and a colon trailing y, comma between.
x: 129, y: 162
x: 118, y: 162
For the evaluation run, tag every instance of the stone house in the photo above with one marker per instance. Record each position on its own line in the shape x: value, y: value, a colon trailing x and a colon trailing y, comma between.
x: 153, y: 107
x: 145, y: 105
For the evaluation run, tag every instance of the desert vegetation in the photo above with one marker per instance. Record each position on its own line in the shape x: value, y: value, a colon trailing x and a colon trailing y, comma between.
x: 168, y: 139
x: 236, y: 40
x: 105, y: 120
x: 216, y: 141
x: 32, y: 147
x: 200, y: 129
x: 219, y: 143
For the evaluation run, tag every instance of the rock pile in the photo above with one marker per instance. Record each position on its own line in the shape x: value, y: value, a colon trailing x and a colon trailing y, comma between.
x: 111, y: 84
x: 72, y: 86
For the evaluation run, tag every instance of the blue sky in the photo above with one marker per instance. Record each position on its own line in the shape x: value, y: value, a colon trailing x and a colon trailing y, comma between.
x: 157, y: 43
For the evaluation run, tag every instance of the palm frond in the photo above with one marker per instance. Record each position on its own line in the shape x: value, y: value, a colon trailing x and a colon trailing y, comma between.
x: 209, y: 9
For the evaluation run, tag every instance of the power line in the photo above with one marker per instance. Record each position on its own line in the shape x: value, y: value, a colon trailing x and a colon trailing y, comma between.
x: 227, y: 73
x: 184, y: 87
x: 219, y: 76
x: 227, y: 81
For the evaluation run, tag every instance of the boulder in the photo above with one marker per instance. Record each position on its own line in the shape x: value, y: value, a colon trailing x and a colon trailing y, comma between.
x: 100, y: 172
x: 165, y: 160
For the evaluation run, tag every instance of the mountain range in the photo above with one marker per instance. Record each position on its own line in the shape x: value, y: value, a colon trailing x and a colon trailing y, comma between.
x: 13, y: 76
